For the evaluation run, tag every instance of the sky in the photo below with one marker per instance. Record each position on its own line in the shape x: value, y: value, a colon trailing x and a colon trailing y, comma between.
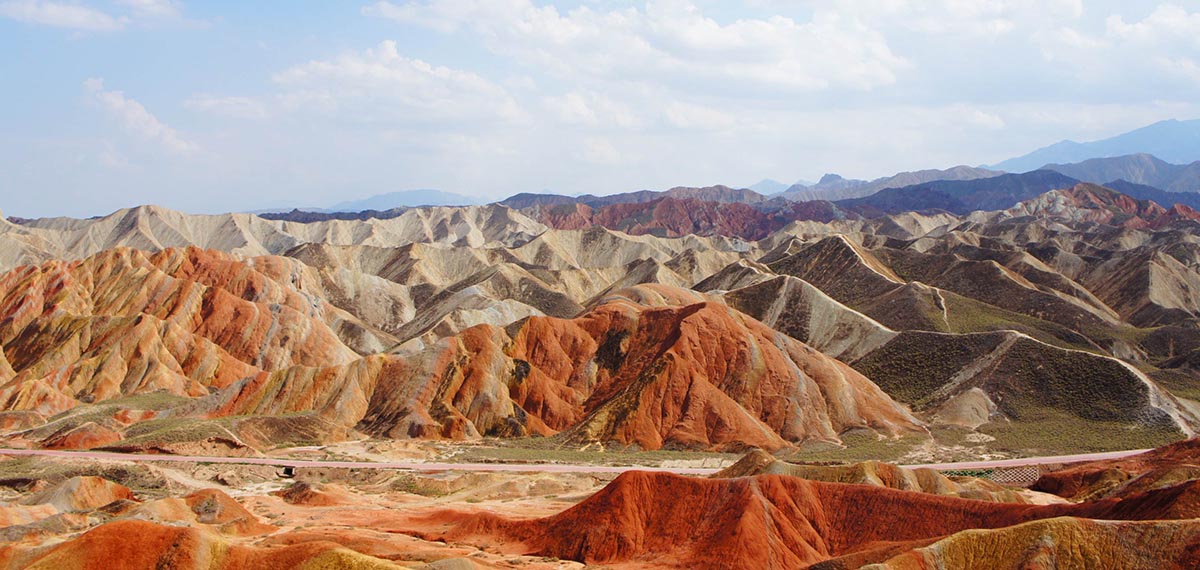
x: 225, y: 106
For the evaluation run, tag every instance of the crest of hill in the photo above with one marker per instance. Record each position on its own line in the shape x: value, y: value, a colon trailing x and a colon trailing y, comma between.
x: 153, y: 228
x: 1163, y: 197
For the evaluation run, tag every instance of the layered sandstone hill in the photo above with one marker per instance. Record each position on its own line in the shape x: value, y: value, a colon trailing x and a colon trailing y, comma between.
x: 256, y: 338
x: 184, y: 321
x: 668, y: 217
x: 138, y: 544
x: 1093, y: 204
x: 1157, y: 468
x: 879, y: 474
x: 978, y: 332
x: 776, y: 521
x: 153, y: 228
x: 1063, y: 542
x: 698, y: 375
x: 999, y: 322
x: 422, y: 292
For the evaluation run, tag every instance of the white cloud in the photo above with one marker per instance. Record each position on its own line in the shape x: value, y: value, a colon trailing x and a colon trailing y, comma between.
x: 691, y: 116
x: 1164, y: 45
x: 1168, y: 23
x: 980, y: 118
x: 381, y: 84
x: 136, y: 120
x: 62, y: 15
x: 600, y: 150
x: 965, y: 18
x: 669, y: 42
x: 236, y: 107
x: 592, y: 109
x: 153, y: 8
x: 77, y: 16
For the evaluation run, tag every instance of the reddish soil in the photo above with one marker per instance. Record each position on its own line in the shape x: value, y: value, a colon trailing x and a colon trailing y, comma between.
x: 768, y: 521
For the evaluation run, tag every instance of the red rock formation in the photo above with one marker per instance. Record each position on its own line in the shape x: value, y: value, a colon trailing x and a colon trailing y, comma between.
x: 1096, y: 204
x: 194, y: 323
x: 1100, y: 477
x: 699, y: 375
x: 139, y: 545
x: 768, y: 521
x: 667, y: 217
x: 124, y: 322
x: 82, y: 493
x: 86, y: 436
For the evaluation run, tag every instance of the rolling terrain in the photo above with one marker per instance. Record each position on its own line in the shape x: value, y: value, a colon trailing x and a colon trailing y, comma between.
x: 1027, y: 315
x: 1074, y: 308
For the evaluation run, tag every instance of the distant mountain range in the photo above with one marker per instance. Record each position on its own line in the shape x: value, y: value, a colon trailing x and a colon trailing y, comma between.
x: 405, y: 198
x: 720, y: 194
x: 767, y: 186
x: 1173, y: 141
x: 1142, y: 169
x: 835, y: 187
x: 378, y: 203
x: 960, y: 196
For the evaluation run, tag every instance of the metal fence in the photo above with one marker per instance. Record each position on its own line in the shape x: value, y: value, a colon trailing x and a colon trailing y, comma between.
x: 1019, y: 476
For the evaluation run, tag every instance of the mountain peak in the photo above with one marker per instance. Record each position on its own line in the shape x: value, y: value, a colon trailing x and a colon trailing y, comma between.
x: 830, y: 178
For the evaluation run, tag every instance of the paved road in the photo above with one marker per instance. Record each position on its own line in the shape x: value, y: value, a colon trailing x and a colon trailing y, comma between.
x: 1031, y: 460
x: 548, y: 467
x: 406, y: 465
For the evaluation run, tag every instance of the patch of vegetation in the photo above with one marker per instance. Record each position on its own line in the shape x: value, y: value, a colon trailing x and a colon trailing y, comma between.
x: 409, y: 483
x: 102, y: 412
x: 177, y: 430
x: 915, y: 364
x: 21, y: 472
x: 1061, y: 434
x: 952, y: 435
x: 1037, y: 381
x: 1178, y: 382
x: 968, y: 315
x: 860, y: 445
